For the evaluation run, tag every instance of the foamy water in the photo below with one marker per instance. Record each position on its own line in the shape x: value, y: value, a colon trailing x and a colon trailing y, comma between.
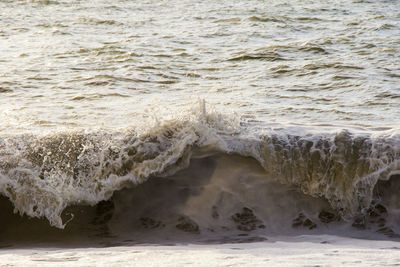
x: 170, y: 121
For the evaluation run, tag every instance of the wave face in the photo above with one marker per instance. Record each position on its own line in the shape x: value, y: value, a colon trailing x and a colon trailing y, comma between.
x: 198, y: 170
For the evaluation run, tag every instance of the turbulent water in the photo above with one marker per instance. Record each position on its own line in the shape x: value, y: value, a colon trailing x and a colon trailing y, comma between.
x: 212, y: 121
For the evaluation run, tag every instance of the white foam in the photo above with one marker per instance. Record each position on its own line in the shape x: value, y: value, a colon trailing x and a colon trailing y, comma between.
x: 303, y: 250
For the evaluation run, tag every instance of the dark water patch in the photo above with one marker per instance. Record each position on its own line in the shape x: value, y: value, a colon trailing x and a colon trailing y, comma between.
x: 96, y: 21
x: 5, y: 90
x: 266, y: 19
x: 93, y: 97
x: 97, y: 83
x: 260, y: 56
x: 106, y: 49
x: 192, y: 75
x: 39, y: 78
x: 341, y: 66
x: 147, y: 67
x: 51, y: 25
x: 306, y: 73
x: 387, y: 95
x: 342, y: 77
x: 376, y: 103
x: 328, y: 217
x: 308, y: 19
x: 281, y: 69
x: 166, y: 76
x: 78, y: 98
x: 302, y: 221
x: 246, y: 220
x: 17, y: 231
x: 317, y: 66
x: 167, y: 82
x: 103, y: 80
x: 187, y: 225
x: 290, y: 49
x: 183, y: 54
x: 150, y: 223
x: 393, y: 75
x: 40, y: 3
x: 314, y: 49
x: 163, y: 55
x: 228, y: 20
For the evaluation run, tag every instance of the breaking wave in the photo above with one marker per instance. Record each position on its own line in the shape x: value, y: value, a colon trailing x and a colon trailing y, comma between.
x: 255, y: 164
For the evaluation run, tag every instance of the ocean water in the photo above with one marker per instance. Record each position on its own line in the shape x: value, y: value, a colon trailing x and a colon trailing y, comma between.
x: 199, y: 121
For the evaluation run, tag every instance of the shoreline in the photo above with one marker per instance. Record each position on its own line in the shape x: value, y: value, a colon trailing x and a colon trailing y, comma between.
x: 303, y: 250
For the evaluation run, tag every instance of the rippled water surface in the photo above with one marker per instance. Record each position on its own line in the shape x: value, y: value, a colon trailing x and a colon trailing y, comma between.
x: 85, y: 64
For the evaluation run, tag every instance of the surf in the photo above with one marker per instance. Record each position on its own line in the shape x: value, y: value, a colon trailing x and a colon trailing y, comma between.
x: 235, y: 170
